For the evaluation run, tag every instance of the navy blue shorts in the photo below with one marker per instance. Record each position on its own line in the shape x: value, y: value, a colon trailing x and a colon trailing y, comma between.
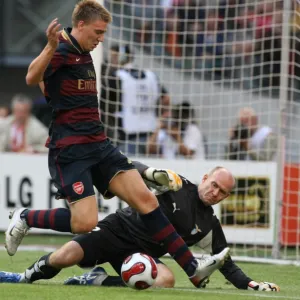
x: 76, y: 169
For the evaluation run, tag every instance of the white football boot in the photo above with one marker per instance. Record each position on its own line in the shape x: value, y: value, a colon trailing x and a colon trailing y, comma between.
x: 207, y: 264
x: 16, y: 231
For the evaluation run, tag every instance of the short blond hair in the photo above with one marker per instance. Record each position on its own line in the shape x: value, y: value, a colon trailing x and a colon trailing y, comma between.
x: 89, y: 11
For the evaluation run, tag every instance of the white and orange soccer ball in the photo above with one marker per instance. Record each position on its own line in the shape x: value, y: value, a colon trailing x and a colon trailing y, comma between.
x: 139, y: 271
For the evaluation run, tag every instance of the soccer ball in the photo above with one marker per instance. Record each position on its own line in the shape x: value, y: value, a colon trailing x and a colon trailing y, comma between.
x: 139, y: 271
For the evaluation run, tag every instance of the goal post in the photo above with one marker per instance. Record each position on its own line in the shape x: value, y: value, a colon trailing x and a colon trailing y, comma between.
x: 283, y: 101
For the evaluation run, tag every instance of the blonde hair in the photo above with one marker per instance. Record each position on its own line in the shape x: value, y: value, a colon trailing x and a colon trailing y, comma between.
x: 89, y: 11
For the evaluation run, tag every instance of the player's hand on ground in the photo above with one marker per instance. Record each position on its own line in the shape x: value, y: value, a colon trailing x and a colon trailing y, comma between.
x: 164, y: 177
x: 53, y: 33
x: 263, y: 286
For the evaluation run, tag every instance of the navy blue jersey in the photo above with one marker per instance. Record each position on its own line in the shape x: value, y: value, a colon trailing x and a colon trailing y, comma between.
x: 70, y: 90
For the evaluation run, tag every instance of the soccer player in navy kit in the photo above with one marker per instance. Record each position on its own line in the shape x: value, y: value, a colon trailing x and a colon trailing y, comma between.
x: 80, y: 155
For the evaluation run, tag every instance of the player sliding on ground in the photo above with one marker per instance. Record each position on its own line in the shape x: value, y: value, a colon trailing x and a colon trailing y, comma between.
x: 123, y: 233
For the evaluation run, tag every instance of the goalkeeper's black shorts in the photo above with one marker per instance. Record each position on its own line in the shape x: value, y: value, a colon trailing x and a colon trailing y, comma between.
x: 109, y: 242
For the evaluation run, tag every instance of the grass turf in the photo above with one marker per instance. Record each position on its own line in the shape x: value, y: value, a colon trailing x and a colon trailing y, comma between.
x: 287, y: 277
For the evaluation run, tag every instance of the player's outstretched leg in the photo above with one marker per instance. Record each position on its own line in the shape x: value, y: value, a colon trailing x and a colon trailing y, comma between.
x: 16, y: 231
x: 207, y: 265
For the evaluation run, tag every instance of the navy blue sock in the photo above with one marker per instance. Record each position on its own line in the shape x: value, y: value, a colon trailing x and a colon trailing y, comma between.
x: 165, y: 234
x: 58, y: 219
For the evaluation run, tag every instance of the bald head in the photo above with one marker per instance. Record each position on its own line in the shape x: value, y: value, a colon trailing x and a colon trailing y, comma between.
x: 216, y: 186
x: 225, y: 174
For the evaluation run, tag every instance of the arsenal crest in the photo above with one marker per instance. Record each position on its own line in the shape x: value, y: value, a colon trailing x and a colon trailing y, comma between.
x: 78, y: 187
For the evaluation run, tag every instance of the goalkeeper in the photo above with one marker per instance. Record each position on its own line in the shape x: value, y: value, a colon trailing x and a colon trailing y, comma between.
x: 123, y: 233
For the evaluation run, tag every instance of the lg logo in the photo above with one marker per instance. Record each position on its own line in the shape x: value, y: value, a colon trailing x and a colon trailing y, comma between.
x: 24, y: 195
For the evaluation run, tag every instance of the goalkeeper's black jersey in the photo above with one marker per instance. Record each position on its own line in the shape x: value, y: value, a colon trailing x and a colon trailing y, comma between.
x: 192, y: 220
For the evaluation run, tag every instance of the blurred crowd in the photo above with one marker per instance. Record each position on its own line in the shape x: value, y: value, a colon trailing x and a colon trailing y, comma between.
x: 238, y: 39
x: 175, y: 132
x: 139, y: 116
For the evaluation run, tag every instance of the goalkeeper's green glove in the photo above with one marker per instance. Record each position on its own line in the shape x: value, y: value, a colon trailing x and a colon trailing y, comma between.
x: 263, y: 286
x: 164, y: 177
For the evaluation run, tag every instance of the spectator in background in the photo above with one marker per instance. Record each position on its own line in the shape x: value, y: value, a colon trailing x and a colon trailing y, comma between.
x: 147, y: 19
x: 268, y: 31
x: 182, y: 19
x: 242, y: 42
x: 221, y: 52
x: 249, y: 140
x: 4, y: 112
x: 163, y: 103
x: 210, y: 48
x: 21, y: 131
x: 173, y: 38
x: 129, y: 101
x: 177, y: 135
x: 229, y: 11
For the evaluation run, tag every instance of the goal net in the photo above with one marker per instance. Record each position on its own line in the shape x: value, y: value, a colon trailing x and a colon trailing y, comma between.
x: 228, y: 94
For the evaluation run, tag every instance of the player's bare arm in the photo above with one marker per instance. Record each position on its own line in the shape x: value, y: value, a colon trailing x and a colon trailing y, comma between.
x: 39, y: 64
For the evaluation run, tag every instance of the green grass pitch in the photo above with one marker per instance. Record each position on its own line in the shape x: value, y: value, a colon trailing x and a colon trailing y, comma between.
x: 287, y: 277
